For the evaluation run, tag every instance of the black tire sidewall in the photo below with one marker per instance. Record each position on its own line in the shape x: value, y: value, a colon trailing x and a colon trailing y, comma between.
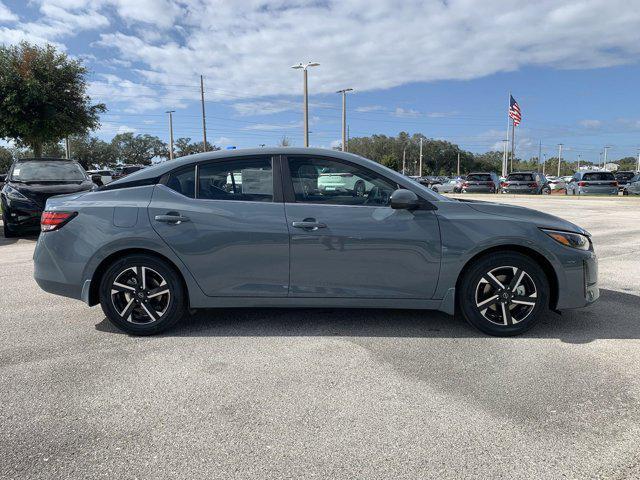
x: 466, y: 297
x: 177, y: 307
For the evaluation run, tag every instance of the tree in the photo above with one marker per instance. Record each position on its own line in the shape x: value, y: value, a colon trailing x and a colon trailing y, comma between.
x: 284, y: 141
x: 138, y: 149
x: 43, y: 96
x: 92, y: 152
x: 183, y: 147
x: 6, y: 159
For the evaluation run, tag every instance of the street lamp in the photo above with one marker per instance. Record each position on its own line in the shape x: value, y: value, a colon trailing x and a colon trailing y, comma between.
x: 304, y: 68
x: 344, y: 116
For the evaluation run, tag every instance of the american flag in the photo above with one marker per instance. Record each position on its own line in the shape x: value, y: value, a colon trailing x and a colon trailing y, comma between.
x: 514, y: 111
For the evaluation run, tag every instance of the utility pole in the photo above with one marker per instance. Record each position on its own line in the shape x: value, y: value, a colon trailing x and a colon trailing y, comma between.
x: 170, y: 112
x: 420, y: 172
x: 404, y: 157
x: 579, y: 158
x: 458, y: 163
x: 638, y: 166
x: 539, y: 154
x: 204, y: 121
x: 67, y: 148
x: 344, y: 116
x: 559, y: 157
x: 304, y: 68
x: 604, y: 162
x: 348, y: 138
x: 544, y: 162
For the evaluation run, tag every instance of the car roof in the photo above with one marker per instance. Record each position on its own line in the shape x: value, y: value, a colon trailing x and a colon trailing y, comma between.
x: 524, y: 171
x: 45, y: 159
x: 160, y: 169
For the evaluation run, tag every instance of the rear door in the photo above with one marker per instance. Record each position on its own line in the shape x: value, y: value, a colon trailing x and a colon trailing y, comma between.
x: 350, y: 245
x: 225, y: 220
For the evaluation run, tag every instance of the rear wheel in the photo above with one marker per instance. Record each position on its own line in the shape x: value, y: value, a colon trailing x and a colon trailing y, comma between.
x: 435, y: 189
x: 142, y: 295
x: 504, y: 294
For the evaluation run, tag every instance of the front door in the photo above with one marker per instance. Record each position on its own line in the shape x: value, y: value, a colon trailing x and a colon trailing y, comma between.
x: 226, y: 226
x: 345, y: 239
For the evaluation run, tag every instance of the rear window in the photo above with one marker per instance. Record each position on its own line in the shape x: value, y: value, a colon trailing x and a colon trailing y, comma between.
x: 479, y: 177
x: 520, y: 177
x: 48, y: 171
x: 599, y: 176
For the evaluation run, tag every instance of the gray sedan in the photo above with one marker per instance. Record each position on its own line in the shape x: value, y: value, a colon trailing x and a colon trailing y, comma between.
x: 633, y: 186
x: 252, y: 228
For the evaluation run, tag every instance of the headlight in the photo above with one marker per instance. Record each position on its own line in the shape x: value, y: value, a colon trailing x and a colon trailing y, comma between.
x: 568, y: 239
x: 14, y: 194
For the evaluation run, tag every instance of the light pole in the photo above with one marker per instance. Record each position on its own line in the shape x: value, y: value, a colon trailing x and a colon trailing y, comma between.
x: 604, y: 161
x: 344, y: 116
x: 170, y: 112
x: 304, y: 68
x: 504, y: 157
x: 559, y: 157
x: 638, y: 166
x: 544, y: 162
x: 420, y: 172
x: 579, y: 158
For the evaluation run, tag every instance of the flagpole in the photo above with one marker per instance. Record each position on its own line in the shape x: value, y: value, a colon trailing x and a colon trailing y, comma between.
x: 513, y: 142
x: 506, y: 150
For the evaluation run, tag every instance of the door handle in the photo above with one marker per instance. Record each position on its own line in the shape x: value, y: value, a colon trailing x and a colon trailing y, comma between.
x: 309, y: 224
x: 171, y: 217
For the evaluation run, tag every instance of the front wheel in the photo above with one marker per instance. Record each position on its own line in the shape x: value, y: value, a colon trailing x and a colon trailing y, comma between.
x: 142, y: 295
x: 435, y: 189
x: 504, y: 294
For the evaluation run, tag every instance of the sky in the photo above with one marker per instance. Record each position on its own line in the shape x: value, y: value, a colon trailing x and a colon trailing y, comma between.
x: 442, y: 68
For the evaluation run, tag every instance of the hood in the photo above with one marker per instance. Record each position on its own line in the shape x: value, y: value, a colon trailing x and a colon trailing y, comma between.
x: 40, y: 192
x: 525, y: 215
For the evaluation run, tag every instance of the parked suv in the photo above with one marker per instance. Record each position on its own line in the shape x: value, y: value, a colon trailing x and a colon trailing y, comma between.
x: 633, y: 186
x: 30, y: 182
x: 592, y: 182
x: 484, y: 182
x: 526, y: 182
x: 623, y: 178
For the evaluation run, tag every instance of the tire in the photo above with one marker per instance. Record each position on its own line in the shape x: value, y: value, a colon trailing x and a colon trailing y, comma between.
x: 546, y: 191
x: 359, y: 189
x: 435, y: 189
x: 625, y: 192
x: 139, y: 311
x: 524, y: 307
x: 8, y: 233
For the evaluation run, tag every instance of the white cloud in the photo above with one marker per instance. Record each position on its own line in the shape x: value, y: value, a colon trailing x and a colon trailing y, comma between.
x: 406, y: 112
x: 369, y: 108
x: 241, y: 49
x: 591, y: 123
x: 265, y: 107
x: 6, y: 15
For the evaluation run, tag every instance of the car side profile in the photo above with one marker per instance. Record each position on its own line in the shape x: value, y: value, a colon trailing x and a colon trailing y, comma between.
x: 595, y: 182
x: 633, y: 186
x: 174, y: 237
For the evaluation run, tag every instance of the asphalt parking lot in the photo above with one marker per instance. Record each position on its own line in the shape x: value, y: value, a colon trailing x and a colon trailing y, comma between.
x: 327, y: 393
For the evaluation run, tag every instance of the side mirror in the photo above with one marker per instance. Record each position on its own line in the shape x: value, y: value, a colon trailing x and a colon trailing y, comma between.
x: 402, y: 199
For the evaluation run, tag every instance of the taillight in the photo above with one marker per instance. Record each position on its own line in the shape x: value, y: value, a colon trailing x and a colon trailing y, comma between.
x: 504, y: 184
x: 50, y: 221
x: 614, y: 184
x: 583, y: 184
x: 533, y: 185
x: 465, y: 184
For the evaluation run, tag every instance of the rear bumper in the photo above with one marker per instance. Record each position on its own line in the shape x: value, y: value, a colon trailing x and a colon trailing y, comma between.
x: 48, y: 272
x: 528, y: 191
x: 598, y: 191
x: 21, y: 217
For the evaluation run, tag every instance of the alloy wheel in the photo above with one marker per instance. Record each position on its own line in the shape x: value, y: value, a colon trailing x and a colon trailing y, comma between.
x: 140, y: 295
x: 506, y: 295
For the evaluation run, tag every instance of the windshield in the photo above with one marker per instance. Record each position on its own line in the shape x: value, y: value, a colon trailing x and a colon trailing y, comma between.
x: 520, y: 177
x: 482, y: 177
x: 599, y: 176
x: 47, y: 171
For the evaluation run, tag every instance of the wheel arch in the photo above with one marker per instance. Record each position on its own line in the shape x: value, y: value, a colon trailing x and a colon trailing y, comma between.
x: 544, y: 263
x: 102, y: 267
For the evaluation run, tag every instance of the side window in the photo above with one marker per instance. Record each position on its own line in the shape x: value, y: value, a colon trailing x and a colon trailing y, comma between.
x: 183, y: 181
x: 323, y: 180
x: 248, y: 179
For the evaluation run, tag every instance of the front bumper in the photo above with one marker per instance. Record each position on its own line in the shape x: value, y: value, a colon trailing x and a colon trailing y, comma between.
x: 580, y: 287
x: 21, y: 216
